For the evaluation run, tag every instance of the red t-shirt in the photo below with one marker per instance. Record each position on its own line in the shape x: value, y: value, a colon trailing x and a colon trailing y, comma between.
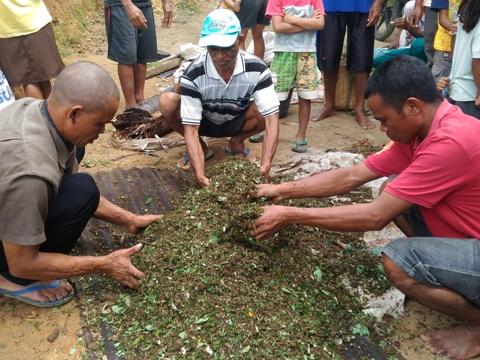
x: 441, y: 174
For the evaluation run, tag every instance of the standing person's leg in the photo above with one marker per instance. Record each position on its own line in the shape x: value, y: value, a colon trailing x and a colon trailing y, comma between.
x: 307, y: 89
x: 429, y: 30
x: 146, y: 52
x: 359, y: 61
x: 258, y: 42
x: 75, y: 203
x: 329, y: 53
x: 139, y: 76
x: 242, y: 38
x: 122, y: 48
x: 39, y: 90
x: 442, y: 274
x: 257, y: 30
x: 126, y: 76
x: 33, y: 91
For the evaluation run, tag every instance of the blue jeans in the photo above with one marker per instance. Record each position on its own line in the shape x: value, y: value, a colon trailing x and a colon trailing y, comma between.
x: 439, y: 262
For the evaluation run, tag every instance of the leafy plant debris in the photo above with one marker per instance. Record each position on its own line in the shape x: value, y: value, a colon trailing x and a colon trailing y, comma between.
x: 212, y: 291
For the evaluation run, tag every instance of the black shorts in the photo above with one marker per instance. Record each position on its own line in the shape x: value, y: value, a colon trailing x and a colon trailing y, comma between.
x: 360, y: 42
x: 252, y: 12
x: 126, y: 44
x: 229, y: 128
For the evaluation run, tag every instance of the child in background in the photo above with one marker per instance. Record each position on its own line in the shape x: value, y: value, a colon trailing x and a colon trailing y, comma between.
x: 295, y: 23
x: 447, y: 18
x: 252, y: 16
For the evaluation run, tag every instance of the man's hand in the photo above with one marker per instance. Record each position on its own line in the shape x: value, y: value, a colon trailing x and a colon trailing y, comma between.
x: 268, y: 190
x: 289, y: 19
x: 167, y: 14
x: 401, y: 23
x: 477, y: 99
x: 442, y: 83
x: 135, y: 16
x: 416, y: 14
x: 139, y: 222
x: 203, y: 181
x: 121, y: 269
x: 374, y: 13
x: 265, y: 171
x: 317, y: 14
x: 272, y: 221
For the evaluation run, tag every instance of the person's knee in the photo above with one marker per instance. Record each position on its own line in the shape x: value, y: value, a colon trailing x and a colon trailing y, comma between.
x: 169, y: 104
x: 86, y: 185
x: 397, y: 277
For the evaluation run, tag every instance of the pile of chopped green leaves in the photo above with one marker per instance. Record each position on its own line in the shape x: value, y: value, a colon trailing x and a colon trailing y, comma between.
x: 213, y: 291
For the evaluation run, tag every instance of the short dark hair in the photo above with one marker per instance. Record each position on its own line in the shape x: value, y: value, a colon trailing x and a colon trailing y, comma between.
x: 401, y: 78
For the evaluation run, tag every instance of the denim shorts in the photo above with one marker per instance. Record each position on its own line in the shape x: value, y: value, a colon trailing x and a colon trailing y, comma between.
x: 439, y: 262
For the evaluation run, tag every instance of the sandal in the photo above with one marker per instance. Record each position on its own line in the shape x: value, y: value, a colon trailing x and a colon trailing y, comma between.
x: 184, y: 162
x: 246, y: 153
x: 18, y: 294
x: 257, y: 138
x: 300, y: 146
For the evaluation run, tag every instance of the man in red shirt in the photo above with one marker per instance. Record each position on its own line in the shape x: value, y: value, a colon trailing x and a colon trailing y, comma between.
x: 433, y: 198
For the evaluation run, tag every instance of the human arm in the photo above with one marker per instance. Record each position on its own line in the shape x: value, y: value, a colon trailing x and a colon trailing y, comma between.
x: 374, y: 12
x: 476, y: 77
x: 315, y: 22
x: 358, y: 217
x: 135, y: 15
x: 333, y: 182
x: 280, y: 26
x: 417, y: 13
x: 28, y: 262
x: 233, y: 4
x: 195, y: 153
x: 167, y: 13
x: 445, y: 21
x: 403, y: 23
x: 269, y: 145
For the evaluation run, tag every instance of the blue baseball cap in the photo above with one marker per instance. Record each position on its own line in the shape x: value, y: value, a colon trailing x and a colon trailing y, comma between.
x: 220, y: 28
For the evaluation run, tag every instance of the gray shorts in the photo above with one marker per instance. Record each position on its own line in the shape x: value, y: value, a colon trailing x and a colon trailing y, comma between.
x: 440, y: 262
x: 126, y: 44
x: 442, y: 64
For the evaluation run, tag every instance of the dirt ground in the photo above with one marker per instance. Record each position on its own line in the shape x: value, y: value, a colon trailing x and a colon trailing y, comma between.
x: 25, y: 329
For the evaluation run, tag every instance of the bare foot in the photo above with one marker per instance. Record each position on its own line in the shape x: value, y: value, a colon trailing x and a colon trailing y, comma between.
x: 363, y: 121
x: 140, y: 222
x: 460, y: 342
x: 39, y: 295
x: 327, y: 111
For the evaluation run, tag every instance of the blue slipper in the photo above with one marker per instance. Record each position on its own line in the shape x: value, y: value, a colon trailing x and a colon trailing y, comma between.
x: 55, y: 284
x: 184, y: 161
x: 246, y: 152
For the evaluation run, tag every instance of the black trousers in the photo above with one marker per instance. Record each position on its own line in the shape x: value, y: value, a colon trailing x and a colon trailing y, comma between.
x: 76, y: 202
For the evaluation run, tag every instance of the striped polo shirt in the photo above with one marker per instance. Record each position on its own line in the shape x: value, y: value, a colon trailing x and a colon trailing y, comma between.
x: 205, y: 95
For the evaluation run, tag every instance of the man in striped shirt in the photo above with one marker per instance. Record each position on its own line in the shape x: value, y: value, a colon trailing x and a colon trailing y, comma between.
x: 215, y: 98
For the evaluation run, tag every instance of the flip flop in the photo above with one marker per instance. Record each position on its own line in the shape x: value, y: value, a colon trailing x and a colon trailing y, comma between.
x: 185, y: 160
x: 18, y: 295
x: 300, y: 146
x: 257, y: 138
x: 246, y: 153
